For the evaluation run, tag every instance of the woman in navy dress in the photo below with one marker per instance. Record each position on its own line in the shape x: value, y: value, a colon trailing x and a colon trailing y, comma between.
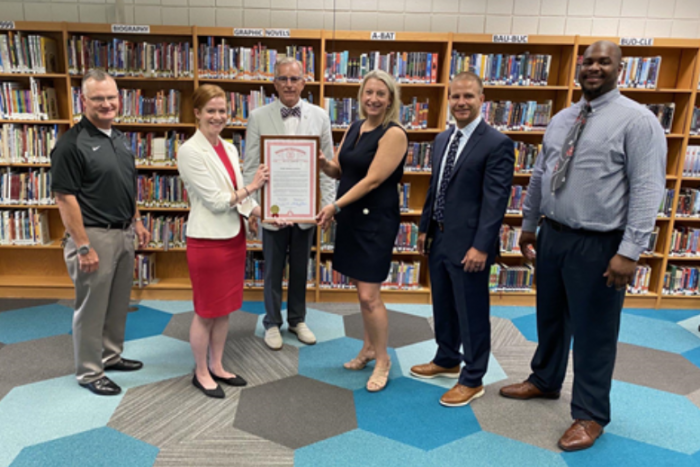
x: 369, y: 167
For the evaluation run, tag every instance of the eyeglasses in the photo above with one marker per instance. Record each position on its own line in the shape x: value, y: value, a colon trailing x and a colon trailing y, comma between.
x: 101, y: 99
x: 291, y: 79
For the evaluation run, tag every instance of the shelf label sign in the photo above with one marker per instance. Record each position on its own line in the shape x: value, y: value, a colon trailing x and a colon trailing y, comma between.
x: 510, y: 39
x: 7, y: 24
x: 248, y: 32
x: 637, y: 41
x: 278, y: 33
x: 130, y: 29
x: 383, y: 36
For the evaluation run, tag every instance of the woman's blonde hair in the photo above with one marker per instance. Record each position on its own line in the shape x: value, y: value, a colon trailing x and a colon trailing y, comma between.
x: 392, y: 112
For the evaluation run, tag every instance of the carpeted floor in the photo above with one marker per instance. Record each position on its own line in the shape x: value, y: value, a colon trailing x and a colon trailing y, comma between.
x: 302, y: 408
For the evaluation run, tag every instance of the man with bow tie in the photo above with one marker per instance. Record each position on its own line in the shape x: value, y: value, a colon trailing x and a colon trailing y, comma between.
x: 464, y: 209
x: 289, y: 115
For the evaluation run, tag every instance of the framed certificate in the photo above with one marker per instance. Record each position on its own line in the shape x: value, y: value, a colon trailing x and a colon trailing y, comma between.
x: 292, y: 192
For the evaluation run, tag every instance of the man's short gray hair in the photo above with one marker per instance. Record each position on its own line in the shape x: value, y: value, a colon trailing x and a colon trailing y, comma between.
x: 94, y: 74
x: 288, y: 61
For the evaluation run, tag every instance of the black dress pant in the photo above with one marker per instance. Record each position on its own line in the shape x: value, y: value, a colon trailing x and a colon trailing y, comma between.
x: 573, y: 300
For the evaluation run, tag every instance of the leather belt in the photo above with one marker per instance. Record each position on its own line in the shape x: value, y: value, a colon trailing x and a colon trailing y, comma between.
x: 114, y: 226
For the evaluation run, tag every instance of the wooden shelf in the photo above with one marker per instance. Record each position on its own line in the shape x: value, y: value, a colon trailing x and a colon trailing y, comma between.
x: 402, y: 85
x: 32, y: 75
x: 28, y: 206
x: 36, y: 122
x: 156, y: 167
x: 249, y: 81
x: 525, y: 88
x: 24, y: 164
x: 156, y: 208
x: 167, y: 126
x: 140, y: 79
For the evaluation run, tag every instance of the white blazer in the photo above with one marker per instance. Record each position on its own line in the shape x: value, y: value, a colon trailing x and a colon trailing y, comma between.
x: 209, y: 189
x: 267, y: 120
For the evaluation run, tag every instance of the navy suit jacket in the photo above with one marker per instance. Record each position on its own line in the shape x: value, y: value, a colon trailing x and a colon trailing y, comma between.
x: 477, y: 193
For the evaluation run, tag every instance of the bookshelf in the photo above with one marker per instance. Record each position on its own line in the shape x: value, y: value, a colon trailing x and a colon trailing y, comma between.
x: 39, y: 270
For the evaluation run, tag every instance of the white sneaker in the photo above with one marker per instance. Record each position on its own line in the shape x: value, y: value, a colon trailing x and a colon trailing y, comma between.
x: 303, y: 333
x: 273, y: 338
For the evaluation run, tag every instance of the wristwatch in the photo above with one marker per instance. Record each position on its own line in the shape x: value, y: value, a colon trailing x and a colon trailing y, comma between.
x: 84, y: 249
x: 337, y: 208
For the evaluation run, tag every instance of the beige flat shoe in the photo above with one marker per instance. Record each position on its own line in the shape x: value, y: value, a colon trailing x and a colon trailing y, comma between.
x: 379, y: 378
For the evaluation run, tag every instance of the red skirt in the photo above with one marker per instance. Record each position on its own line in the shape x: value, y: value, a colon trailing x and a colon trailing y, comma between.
x: 217, y: 272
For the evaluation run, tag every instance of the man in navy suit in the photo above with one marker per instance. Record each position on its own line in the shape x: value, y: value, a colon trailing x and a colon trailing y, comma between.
x: 459, y: 230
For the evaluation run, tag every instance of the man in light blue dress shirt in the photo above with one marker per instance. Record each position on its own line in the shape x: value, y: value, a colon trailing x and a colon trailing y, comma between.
x: 598, y: 183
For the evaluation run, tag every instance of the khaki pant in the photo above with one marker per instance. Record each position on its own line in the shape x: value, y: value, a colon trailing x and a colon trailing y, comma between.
x: 101, y: 300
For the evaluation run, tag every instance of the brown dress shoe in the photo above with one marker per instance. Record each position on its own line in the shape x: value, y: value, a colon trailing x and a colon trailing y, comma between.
x: 461, y: 395
x: 431, y: 370
x: 580, y: 435
x: 526, y: 390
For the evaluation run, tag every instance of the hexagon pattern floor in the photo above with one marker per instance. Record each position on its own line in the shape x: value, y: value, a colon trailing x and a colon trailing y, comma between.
x: 302, y: 408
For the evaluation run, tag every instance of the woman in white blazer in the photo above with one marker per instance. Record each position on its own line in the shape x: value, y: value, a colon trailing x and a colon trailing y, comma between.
x: 216, y: 241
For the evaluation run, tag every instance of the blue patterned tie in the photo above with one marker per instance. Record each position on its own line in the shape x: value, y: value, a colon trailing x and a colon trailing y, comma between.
x: 446, y: 174
x: 561, y: 169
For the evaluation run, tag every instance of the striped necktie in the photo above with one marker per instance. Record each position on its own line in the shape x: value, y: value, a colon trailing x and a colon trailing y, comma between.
x: 567, y: 153
x: 446, y: 174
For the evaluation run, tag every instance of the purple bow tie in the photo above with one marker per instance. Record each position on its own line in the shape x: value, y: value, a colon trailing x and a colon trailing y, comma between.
x: 293, y: 112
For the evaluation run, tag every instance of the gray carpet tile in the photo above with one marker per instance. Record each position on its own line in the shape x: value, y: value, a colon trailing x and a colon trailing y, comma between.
x: 296, y: 411
x: 68, y: 302
x: 225, y: 447
x: 505, y: 334
x: 403, y: 329
x: 431, y: 322
x: 343, y: 309
x: 8, y: 304
x: 240, y: 324
x: 695, y: 398
x: 656, y: 369
x: 250, y: 357
x: 172, y: 411
x: 36, y: 360
x: 537, y: 422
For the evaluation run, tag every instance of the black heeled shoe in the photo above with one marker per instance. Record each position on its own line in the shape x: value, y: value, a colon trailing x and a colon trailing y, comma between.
x: 216, y: 393
x: 235, y: 381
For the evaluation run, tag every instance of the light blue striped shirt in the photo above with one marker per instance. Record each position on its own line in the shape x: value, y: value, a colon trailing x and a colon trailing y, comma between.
x: 617, y: 177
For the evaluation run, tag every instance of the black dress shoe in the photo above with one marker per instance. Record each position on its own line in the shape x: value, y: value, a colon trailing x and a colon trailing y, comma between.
x: 103, y: 387
x: 125, y: 365
x: 217, y: 392
x: 235, y: 381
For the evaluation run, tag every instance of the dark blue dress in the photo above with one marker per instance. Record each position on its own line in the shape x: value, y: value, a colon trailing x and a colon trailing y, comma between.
x: 367, y: 228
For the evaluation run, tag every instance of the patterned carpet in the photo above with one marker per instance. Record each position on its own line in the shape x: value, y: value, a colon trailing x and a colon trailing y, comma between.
x: 302, y: 408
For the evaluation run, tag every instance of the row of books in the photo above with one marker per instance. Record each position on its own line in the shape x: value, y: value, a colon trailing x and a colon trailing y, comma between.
x: 404, y: 196
x: 681, y: 280
x: 144, y: 269
x: 688, y: 203
x: 32, y: 187
x: 525, y: 156
x: 419, y: 157
x: 640, y: 280
x: 37, y: 102
x: 666, y: 204
x: 218, y: 59
x: 637, y: 72
x: 504, y: 69
x: 27, y: 143
x: 684, y: 242
x: 120, y: 57
x: 136, y: 107
x: 517, y: 116
x: 155, y: 148
x: 24, y: 227
x: 255, y: 271
x: 406, y: 238
x: 166, y: 231
x: 695, y: 122
x: 241, y: 105
x: 691, y: 163
x: 516, y: 199
x: 156, y: 190
x: 403, y: 275
x: 344, y: 111
x: 664, y: 113
x: 405, y: 67
x: 27, y: 53
x: 504, y: 278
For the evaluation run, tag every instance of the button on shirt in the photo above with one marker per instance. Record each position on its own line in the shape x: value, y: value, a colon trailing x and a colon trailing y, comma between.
x: 618, y: 174
x: 467, y: 131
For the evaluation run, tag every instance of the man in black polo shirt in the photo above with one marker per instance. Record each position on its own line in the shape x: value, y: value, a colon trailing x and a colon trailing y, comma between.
x: 94, y: 181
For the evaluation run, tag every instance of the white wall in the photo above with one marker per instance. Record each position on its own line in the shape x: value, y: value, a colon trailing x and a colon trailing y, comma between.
x: 653, y: 18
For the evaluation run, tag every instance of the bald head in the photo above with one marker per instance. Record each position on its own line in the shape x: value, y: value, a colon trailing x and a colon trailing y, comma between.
x: 602, y: 62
